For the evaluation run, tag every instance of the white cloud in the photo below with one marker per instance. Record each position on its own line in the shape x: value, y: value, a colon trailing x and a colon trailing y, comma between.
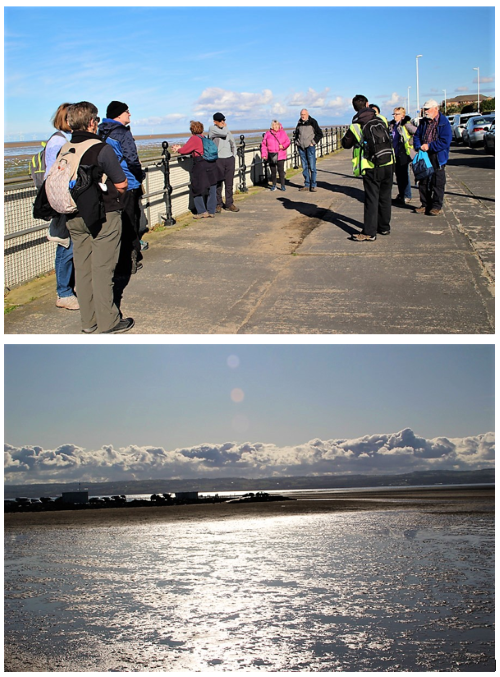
x: 394, y: 453
x: 235, y: 104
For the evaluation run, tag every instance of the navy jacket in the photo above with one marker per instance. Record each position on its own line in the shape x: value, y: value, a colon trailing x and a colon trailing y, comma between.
x: 121, y: 140
x: 441, y: 146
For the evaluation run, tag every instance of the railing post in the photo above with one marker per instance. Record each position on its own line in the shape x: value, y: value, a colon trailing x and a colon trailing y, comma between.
x: 168, y: 218
x: 242, y: 167
x: 295, y: 154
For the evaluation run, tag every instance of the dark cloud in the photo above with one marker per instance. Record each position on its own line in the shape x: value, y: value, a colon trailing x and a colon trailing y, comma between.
x: 399, y: 452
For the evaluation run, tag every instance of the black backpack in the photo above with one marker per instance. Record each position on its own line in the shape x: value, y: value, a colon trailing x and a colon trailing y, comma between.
x: 377, y: 142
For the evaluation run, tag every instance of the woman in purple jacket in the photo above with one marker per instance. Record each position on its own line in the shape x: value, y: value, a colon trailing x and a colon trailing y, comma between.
x: 273, y: 148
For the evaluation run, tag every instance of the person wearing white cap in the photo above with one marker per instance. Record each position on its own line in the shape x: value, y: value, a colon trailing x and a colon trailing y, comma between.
x: 434, y: 136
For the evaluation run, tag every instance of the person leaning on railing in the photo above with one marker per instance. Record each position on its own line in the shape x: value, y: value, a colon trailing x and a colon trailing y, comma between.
x: 204, y: 174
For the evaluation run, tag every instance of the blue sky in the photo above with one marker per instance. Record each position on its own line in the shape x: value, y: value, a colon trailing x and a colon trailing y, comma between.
x: 174, y: 64
x: 200, y: 397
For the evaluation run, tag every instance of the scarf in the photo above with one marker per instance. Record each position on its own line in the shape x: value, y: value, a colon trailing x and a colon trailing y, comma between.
x: 431, y: 133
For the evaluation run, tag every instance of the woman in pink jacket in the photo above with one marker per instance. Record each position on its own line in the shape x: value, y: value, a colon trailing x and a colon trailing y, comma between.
x: 274, y: 145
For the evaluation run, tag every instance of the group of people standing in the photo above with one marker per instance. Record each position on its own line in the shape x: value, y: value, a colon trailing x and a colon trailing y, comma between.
x: 94, y: 260
x: 432, y: 135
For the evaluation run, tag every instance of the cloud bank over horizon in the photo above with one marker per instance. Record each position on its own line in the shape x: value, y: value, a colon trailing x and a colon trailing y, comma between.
x: 393, y: 453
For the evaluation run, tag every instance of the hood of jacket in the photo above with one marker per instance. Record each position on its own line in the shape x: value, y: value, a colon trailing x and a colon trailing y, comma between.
x: 108, y: 125
x: 363, y: 116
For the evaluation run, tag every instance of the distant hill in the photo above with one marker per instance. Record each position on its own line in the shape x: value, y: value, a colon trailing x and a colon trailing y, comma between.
x: 431, y: 477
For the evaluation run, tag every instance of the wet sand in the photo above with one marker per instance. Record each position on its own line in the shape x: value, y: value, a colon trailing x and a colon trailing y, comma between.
x: 448, y: 500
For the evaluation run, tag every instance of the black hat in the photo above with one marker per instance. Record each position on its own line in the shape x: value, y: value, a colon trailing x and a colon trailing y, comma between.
x: 218, y: 117
x: 115, y: 109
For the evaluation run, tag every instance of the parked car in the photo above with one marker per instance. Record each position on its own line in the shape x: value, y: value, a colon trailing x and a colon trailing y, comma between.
x: 475, y: 129
x: 489, y: 140
x: 459, y: 122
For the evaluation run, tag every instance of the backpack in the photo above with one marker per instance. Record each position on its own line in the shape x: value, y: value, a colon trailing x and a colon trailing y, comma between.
x: 377, y: 142
x: 37, y: 166
x: 210, y: 151
x: 65, y: 174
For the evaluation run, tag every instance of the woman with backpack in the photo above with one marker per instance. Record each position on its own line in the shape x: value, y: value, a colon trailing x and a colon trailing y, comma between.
x: 65, y: 273
x: 204, y: 174
x: 402, y: 132
x: 273, y: 149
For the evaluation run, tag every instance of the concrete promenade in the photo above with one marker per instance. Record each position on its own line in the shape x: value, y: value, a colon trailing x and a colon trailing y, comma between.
x: 285, y: 265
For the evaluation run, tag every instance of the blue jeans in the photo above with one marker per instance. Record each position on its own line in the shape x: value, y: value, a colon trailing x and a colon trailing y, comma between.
x: 403, y: 180
x: 308, y: 160
x: 64, y: 270
x: 199, y: 201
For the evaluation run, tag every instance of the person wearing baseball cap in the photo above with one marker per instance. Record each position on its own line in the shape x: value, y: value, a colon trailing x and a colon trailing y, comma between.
x: 434, y: 136
x: 226, y: 161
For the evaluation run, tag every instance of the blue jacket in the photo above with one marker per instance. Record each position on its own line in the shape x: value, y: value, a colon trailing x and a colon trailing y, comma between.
x: 441, y: 146
x: 121, y: 140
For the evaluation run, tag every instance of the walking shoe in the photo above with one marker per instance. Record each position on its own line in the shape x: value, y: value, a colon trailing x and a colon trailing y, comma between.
x: 90, y: 330
x: 233, y: 208
x: 272, y: 188
x: 68, y: 302
x: 361, y: 237
x: 420, y: 210
x: 201, y: 216
x: 122, y: 326
x: 144, y: 245
x: 435, y: 212
x: 283, y: 188
x: 314, y: 190
x: 407, y: 200
x: 304, y: 188
x: 384, y: 232
x: 211, y: 216
x: 218, y: 209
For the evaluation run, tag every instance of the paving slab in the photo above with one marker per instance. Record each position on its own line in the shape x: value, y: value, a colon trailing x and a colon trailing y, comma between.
x: 285, y: 264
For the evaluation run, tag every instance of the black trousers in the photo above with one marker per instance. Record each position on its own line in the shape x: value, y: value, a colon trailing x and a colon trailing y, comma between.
x: 432, y: 189
x: 281, y: 171
x: 377, y: 183
x: 226, y: 167
x: 131, y: 241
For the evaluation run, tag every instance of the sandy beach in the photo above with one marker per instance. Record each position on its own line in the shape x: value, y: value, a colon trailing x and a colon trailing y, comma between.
x: 438, y: 499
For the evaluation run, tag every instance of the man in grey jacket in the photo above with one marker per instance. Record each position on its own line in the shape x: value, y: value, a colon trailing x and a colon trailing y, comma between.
x: 226, y: 161
x: 307, y: 134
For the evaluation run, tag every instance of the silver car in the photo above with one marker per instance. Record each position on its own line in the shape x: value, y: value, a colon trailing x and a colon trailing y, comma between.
x: 458, y: 125
x: 475, y: 129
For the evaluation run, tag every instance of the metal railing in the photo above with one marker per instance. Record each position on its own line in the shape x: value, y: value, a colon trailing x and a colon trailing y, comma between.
x: 28, y: 253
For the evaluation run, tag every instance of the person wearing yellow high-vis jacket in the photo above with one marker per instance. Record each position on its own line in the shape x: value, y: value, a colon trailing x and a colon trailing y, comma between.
x: 377, y: 180
x: 402, y: 131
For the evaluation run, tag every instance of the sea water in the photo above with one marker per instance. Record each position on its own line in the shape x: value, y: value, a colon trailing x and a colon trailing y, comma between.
x: 371, y: 591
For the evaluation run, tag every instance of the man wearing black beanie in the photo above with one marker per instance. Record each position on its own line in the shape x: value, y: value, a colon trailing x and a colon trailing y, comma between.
x: 115, y: 130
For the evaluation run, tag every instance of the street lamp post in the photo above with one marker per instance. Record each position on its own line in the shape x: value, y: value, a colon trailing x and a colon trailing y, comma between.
x: 478, y: 104
x: 418, y: 99
x: 444, y: 90
x: 409, y: 109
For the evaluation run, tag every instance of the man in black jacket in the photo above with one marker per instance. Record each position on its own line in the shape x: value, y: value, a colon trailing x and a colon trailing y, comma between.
x: 96, y: 249
x: 307, y: 134
x: 377, y: 181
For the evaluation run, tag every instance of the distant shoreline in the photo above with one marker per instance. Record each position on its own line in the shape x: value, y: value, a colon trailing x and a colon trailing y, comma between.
x: 142, y: 137
x: 446, y: 500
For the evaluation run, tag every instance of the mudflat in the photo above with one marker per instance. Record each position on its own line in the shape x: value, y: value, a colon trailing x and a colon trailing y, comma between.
x: 439, y: 499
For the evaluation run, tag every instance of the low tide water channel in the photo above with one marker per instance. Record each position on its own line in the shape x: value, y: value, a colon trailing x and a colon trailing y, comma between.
x: 369, y: 591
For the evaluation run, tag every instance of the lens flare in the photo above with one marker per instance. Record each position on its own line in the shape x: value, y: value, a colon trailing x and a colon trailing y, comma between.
x: 237, y: 395
x: 233, y: 361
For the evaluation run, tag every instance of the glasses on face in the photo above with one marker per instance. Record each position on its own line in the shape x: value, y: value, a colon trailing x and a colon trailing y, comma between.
x: 398, y: 113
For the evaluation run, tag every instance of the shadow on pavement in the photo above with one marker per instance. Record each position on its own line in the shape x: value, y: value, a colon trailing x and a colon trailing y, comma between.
x: 310, y: 210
